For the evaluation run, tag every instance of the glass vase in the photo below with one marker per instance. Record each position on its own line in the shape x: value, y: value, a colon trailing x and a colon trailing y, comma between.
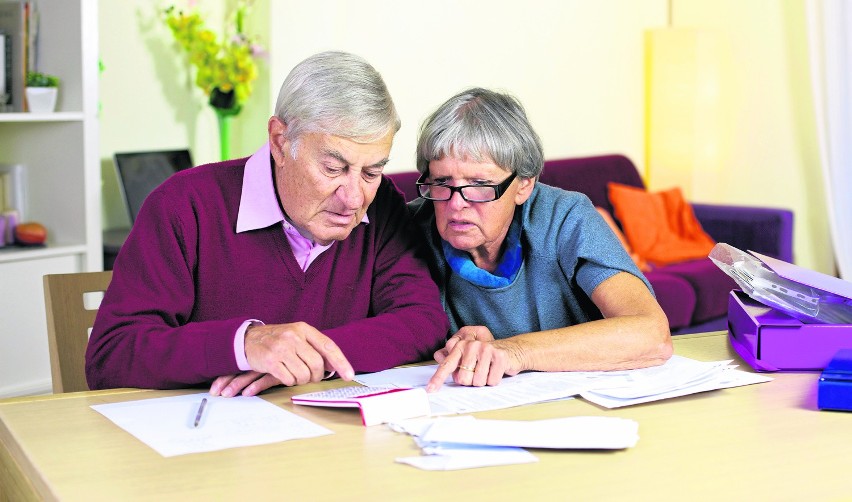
x: 224, y: 119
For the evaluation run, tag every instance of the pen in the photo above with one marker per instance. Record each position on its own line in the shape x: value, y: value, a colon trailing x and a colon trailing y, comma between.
x: 200, y: 411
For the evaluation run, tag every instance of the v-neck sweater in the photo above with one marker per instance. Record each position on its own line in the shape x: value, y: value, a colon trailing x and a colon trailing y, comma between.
x: 185, y: 280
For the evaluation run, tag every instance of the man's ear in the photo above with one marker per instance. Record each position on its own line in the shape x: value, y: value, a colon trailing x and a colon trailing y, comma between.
x: 525, y: 188
x: 278, y: 142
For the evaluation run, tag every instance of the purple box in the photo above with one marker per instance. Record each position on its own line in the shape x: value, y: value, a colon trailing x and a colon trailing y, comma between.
x: 770, y: 340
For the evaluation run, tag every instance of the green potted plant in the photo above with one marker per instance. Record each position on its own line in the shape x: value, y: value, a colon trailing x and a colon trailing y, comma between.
x: 42, y: 90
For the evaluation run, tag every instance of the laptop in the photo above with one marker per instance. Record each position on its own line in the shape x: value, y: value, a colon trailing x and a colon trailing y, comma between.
x: 139, y: 173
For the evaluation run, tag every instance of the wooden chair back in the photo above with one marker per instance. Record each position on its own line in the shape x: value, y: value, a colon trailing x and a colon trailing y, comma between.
x: 68, y: 323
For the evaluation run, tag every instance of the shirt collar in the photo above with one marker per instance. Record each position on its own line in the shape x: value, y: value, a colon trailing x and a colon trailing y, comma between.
x: 258, y: 202
x: 258, y: 205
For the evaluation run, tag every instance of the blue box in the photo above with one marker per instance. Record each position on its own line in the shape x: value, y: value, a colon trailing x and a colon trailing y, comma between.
x: 835, y: 383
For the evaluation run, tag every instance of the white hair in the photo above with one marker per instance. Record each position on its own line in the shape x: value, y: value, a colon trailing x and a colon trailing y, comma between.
x: 339, y: 94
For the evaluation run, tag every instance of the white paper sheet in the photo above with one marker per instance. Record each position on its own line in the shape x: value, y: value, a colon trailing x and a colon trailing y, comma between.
x: 450, y: 443
x: 441, y: 458
x: 167, y: 424
x: 678, y: 373
x: 679, y: 376
x: 378, y: 405
x: 525, y: 388
x: 728, y: 377
x: 407, y: 377
x: 417, y: 426
x: 558, y: 433
x: 448, y: 457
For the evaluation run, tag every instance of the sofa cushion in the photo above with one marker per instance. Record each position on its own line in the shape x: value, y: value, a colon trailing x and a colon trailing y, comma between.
x: 638, y: 260
x: 711, y: 287
x: 660, y: 226
x: 675, y: 295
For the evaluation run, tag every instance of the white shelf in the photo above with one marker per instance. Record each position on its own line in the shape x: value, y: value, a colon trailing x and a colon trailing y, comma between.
x: 9, y: 254
x: 63, y: 189
x: 42, y: 117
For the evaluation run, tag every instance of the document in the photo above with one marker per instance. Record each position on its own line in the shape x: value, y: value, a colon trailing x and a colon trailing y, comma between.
x: 406, y: 377
x: 378, y: 405
x: 462, y: 456
x: 525, y: 388
x: 452, y: 456
x: 450, y: 443
x: 586, y: 433
x: 167, y: 424
x: 679, y: 376
x: 726, y: 377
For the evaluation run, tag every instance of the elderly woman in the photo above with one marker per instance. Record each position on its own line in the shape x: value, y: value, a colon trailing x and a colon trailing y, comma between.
x: 530, y: 275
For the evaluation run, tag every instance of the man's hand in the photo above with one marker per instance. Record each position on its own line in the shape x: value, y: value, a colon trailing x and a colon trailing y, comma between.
x: 251, y: 383
x: 294, y: 353
x: 288, y: 354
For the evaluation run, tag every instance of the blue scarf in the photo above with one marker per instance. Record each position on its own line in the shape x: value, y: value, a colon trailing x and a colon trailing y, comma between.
x: 461, y: 263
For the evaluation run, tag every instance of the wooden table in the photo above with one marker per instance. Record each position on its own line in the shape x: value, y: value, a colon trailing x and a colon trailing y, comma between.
x: 760, y: 442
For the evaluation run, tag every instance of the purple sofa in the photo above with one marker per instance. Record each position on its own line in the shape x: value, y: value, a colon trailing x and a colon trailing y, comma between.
x: 693, y: 294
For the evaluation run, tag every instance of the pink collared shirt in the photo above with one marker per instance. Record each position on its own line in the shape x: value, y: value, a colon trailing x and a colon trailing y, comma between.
x: 259, y: 209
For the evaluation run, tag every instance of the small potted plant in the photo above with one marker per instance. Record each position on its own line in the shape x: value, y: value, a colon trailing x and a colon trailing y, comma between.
x: 41, y: 92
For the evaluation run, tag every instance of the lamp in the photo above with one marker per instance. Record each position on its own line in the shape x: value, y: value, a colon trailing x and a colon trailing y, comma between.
x: 682, y: 108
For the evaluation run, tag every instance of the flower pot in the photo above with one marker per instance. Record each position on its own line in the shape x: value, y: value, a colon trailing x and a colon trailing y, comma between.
x: 41, y: 99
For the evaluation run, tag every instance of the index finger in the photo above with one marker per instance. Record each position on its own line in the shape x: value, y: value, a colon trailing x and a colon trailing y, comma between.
x: 445, y: 369
x: 332, y: 355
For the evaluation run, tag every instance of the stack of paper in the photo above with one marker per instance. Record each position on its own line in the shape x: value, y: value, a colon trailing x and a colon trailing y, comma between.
x: 679, y: 376
x: 526, y: 388
x: 465, y: 442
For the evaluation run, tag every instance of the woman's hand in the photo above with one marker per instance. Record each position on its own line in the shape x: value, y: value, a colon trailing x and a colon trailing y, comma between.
x: 473, y: 358
x: 480, y: 333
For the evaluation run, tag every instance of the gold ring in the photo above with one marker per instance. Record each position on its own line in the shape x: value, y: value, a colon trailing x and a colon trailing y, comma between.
x: 468, y: 368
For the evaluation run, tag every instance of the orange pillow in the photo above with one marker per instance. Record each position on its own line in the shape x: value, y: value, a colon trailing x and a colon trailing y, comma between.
x: 642, y: 264
x: 660, y: 226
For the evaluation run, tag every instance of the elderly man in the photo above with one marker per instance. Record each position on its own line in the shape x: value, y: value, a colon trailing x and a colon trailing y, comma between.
x: 280, y: 268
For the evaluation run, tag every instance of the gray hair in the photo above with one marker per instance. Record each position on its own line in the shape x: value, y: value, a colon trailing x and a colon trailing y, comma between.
x: 482, y: 125
x: 339, y: 94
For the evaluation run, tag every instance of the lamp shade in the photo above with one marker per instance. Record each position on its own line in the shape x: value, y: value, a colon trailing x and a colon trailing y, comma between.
x: 683, y: 108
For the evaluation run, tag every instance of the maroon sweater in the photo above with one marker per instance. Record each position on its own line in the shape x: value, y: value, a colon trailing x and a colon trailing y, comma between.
x: 184, y: 281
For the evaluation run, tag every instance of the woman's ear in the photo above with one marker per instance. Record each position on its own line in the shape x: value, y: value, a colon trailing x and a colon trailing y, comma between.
x: 525, y: 188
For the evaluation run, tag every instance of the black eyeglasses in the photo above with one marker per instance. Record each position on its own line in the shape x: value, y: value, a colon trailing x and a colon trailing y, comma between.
x: 470, y: 193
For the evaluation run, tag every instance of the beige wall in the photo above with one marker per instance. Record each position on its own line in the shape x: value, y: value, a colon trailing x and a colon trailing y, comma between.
x: 577, y: 65
x: 771, y: 155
